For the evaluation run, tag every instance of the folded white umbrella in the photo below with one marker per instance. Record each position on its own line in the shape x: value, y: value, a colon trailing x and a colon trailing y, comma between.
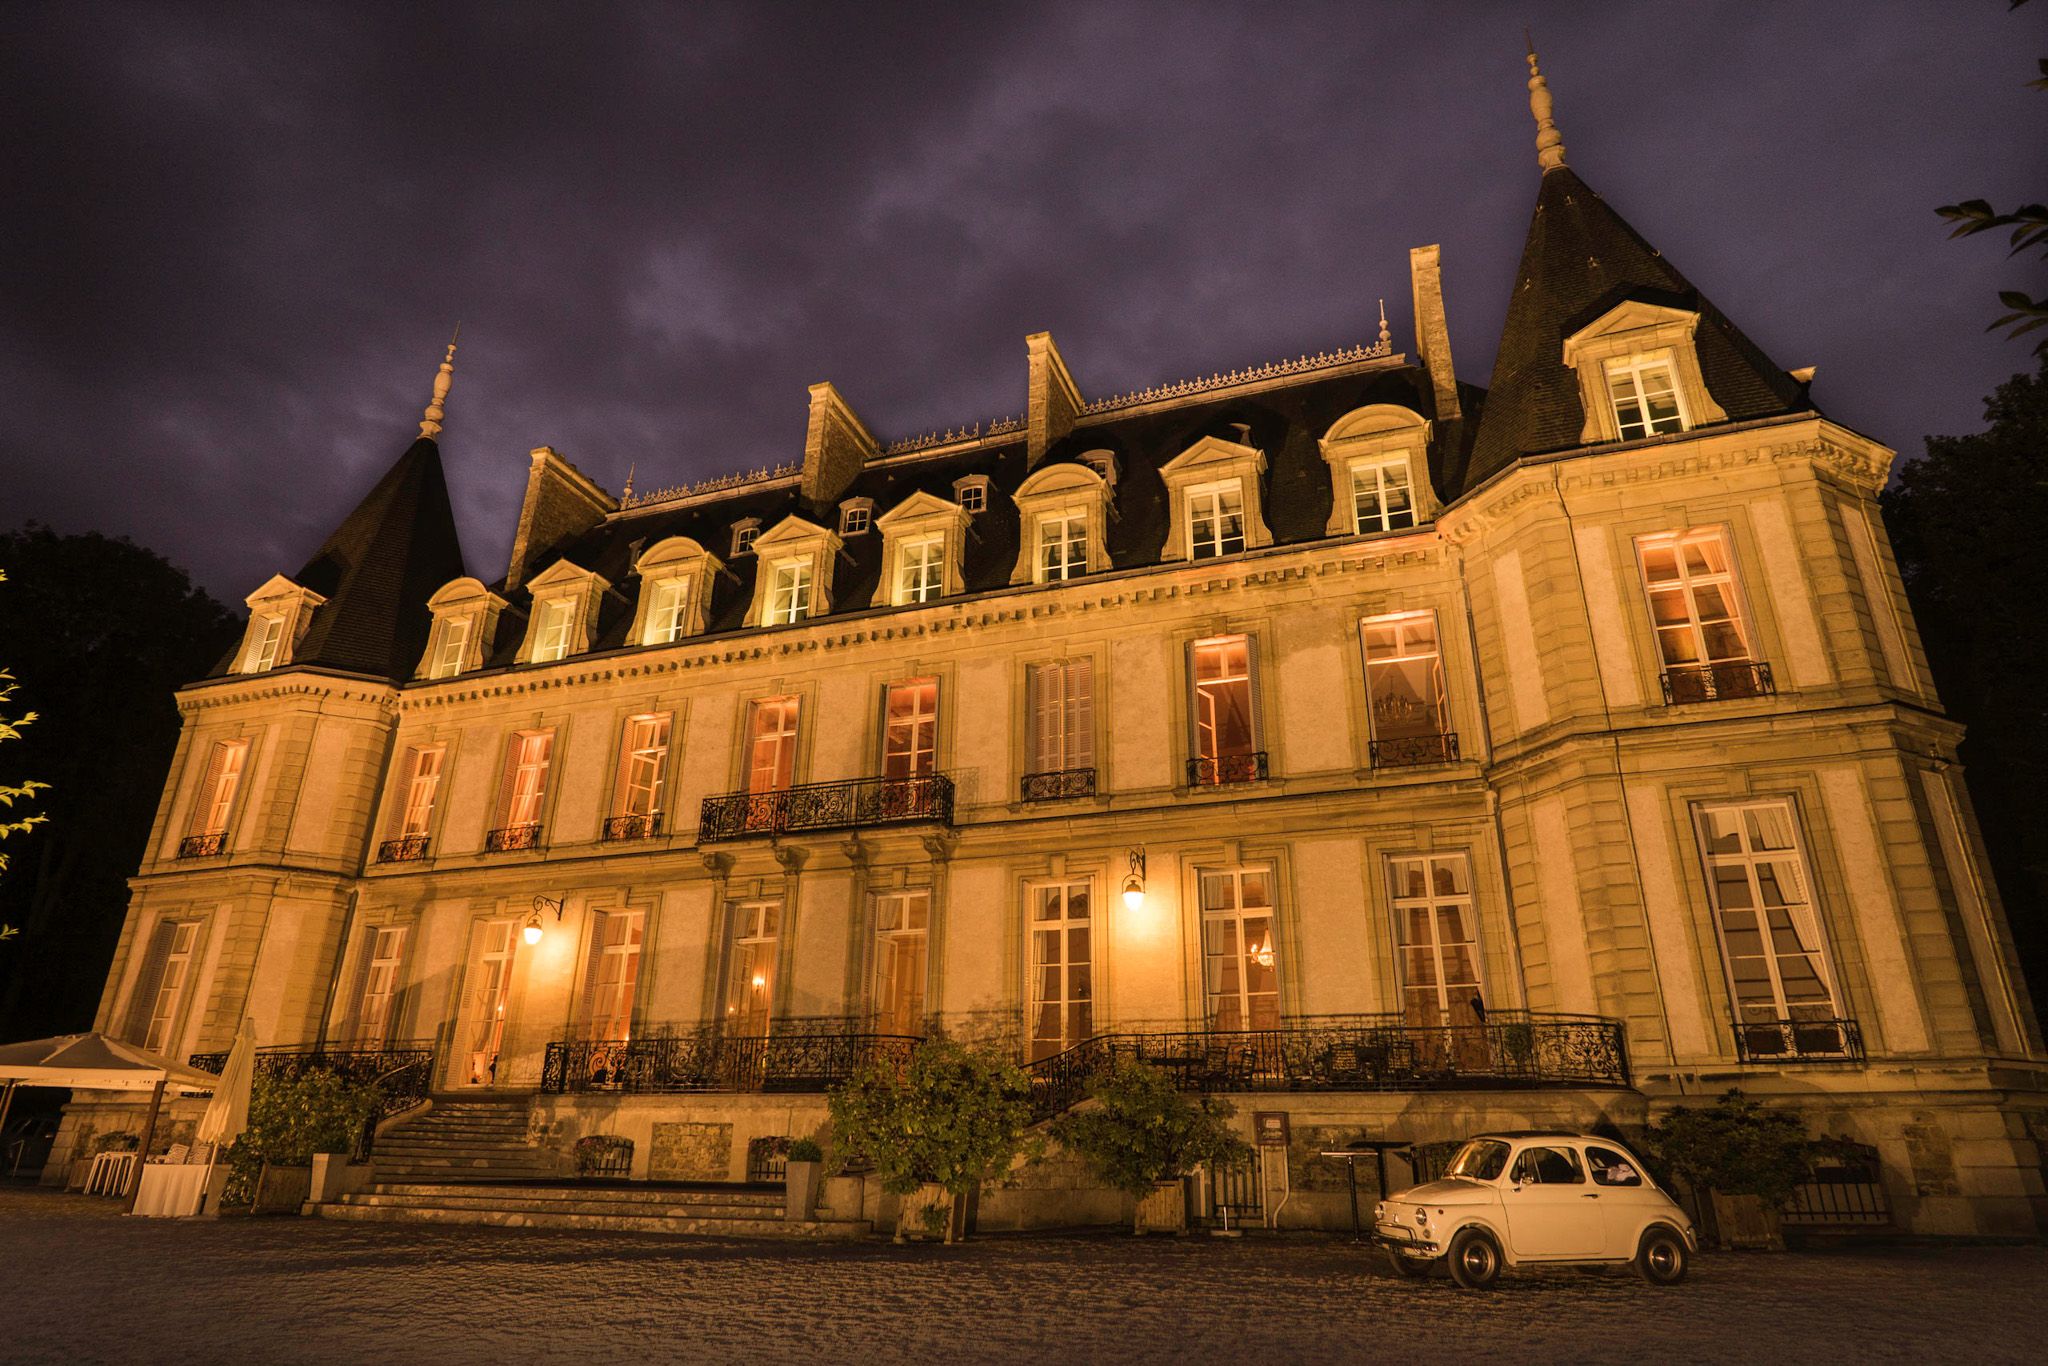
x: 227, y: 1114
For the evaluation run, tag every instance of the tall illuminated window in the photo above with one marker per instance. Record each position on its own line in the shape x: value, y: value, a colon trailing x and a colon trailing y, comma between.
x: 789, y: 593
x: 525, y: 788
x: 902, y: 930
x: 374, y: 1015
x: 1404, y: 677
x: 910, y: 728
x: 1062, y: 958
x: 1439, y: 940
x: 422, y: 784
x: 643, y: 764
x: 612, y: 975
x: 771, y: 743
x: 218, y: 788
x: 159, y: 994
x: 751, y: 962
x: 1763, y: 906
x: 1226, y: 736
x: 1240, y: 962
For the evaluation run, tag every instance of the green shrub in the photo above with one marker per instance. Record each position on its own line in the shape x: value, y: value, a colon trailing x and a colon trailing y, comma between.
x: 806, y: 1150
x: 293, y: 1117
x: 954, y: 1116
x: 1735, y: 1146
x: 1141, y: 1129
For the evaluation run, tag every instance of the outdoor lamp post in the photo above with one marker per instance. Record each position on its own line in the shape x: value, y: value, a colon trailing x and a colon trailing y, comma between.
x: 1134, y: 882
x: 541, y: 903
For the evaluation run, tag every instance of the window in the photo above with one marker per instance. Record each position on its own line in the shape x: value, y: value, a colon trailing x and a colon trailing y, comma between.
x: 159, y: 992
x: 1226, y: 741
x: 1404, y: 689
x: 451, y: 648
x: 902, y: 924
x: 422, y: 782
x: 771, y: 744
x: 269, y: 644
x: 1240, y: 974
x: 668, y: 611
x: 750, y: 977
x: 374, y: 1010
x: 743, y: 534
x: 526, y: 779
x: 1702, y: 640
x: 920, y: 571
x: 1770, y: 937
x: 214, y: 804
x: 1062, y: 547
x: 1439, y: 941
x: 1645, y: 397
x: 1062, y: 702
x: 789, y: 593
x: 1610, y: 1168
x: 910, y: 729
x: 1103, y: 463
x: 483, y: 1007
x: 1062, y: 957
x: 856, y: 517
x: 551, y: 637
x: 611, y: 976
x: 1549, y: 1167
x: 643, y: 761
x: 1380, y: 495
x: 1215, y: 520
x: 972, y: 493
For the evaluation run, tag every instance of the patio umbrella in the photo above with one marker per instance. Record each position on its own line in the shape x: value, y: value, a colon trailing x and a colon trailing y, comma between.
x: 227, y: 1114
x: 94, y: 1062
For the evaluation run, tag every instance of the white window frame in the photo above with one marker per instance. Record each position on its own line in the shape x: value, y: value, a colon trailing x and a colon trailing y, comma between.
x: 422, y: 786
x: 902, y: 954
x: 910, y: 744
x: 1060, y: 697
x: 920, y: 571
x: 744, y: 535
x: 1405, y: 651
x: 1062, y: 547
x: 1217, y: 496
x: 270, y: 644
x: 1448, y: 1010
x: 1369, y: 474
x: 1630, y: 371
x: 1264, y: 953
x: 789, y: 592
x: 451, y: 646
x: 529, y: 759
x: 1802, y: 915
x: 220, y: 787
x: 557, y: 618
x: 612, y: 974
x: 1202, y: 721
x: 1072, y: 998
x: 668, y: 610
x: 753, y: 964
x: 643, y: 764
x: 778, y: 744
x: 1687, y: 585
x: 374, y: 1015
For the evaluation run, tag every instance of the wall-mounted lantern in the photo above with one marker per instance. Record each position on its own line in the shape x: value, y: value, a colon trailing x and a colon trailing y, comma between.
x: 540, y: 903
x: 1134, y: 882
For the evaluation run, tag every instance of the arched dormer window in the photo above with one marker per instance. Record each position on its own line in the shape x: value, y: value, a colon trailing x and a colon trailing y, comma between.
x: 923, y: 538
x: 675, y: 590
x: 564, y: 614
x: 793, y: 562
x: 1379, y: 470
x: 1063, y: 514
x: 1639, y: 373
x: 1217, y: 510
x: 465, y: 622
x: 279, y: 613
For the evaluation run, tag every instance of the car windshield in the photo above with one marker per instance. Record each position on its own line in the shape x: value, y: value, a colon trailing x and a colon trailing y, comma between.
x: 1483, y: 1159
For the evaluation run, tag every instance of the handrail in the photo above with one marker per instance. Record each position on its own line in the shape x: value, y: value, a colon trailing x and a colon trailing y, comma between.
x: 828, y: 806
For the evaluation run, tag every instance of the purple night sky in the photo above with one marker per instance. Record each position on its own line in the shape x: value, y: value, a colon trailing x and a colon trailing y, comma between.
x: 237, y: 237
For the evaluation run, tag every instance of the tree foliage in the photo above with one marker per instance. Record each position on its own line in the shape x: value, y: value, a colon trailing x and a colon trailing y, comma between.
x: 13, y: 822
x: 1735, y: 1146
x: 953, y: 1116
x: 1139, y: 1129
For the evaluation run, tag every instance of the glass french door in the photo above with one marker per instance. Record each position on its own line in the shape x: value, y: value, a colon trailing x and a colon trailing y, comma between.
x: 489, y: 984
x: 613, y: 976
x: 902, y: 938
x: 1441, y: 999
x: 1062, y: 968
x: 1240, y: 964
x: 751, y: 959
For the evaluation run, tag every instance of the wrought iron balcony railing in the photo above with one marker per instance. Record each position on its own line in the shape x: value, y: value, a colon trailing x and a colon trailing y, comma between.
x: 1227, y: 768
x: 1414, y: 751
x: 203, y: 846
x: 1353, y: 1053
x: 828, y: 806
x: 1799, y: 1041
x: 404, y: 849
x: 1057, y: 783
x: 401, y: 1072
x: 1717, y: 682
x: 644, y: 827
x: 795, y: 1056
x: 507, y: 838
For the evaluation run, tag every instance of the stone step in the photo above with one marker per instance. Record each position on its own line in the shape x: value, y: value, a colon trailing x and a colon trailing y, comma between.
x: 624, y: 1192
x: 545, y: 1218
x: 512, y: 1199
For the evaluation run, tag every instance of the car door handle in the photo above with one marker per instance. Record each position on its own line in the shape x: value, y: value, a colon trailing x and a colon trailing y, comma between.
x: 1590, y: 1195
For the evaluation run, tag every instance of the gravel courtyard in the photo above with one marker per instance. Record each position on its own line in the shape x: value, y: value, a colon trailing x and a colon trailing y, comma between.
x: 85, y: 1285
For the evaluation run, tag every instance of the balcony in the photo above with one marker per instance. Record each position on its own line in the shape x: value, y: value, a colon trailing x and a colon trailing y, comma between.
x: 617, y: 828
x: 1718, y: 682
x: 404, y: 849
x: 203, y: 846
x: 508, y: 838
x: 828, y: 806
x: 802, y: 1055
x: 1414, y: 751
x: 1227, y: 768
x: 1772, y: 1041
x: 1056, y: 784
x: 1511, y: 1051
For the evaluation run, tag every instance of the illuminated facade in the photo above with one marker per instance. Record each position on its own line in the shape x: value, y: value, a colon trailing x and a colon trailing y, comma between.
x: 1573, y: 730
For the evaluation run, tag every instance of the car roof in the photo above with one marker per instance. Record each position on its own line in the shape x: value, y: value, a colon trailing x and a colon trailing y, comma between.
x: 1546, y: 1133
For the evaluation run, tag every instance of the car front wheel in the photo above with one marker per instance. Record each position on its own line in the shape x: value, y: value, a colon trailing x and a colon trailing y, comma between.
x: 1413, y: 1268
x: 1474, y: 1259
x: 1661, y: 1256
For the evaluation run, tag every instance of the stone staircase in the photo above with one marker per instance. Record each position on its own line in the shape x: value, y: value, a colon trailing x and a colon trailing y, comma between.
x: 740, y: 1212
x: 466, y: 1139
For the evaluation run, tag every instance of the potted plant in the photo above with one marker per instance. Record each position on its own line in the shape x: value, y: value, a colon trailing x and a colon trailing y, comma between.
x: 293, y: 1119
x: 806, y: 1163
x: 1743, y: 1158
x: 1143, y: 1137
x: 952, y: 1117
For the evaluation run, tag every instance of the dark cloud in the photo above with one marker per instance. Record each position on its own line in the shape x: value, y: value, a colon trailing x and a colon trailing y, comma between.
x: 237, y: 236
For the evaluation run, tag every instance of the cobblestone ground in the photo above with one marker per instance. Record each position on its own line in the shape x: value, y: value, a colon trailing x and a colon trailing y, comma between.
x: 84, y: 1285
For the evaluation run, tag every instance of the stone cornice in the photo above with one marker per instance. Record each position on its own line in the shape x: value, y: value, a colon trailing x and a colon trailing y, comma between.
x: 240, y: 688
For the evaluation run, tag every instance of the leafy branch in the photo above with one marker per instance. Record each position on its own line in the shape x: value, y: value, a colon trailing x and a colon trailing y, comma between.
x: 2029, y: 225
x: 11, y: 793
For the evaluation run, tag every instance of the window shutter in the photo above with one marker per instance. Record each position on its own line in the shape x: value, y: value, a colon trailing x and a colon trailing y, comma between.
x: 508, y: 779
x: 1251, y: 677
x: 600, y: 926
x: 142, y: 1000
x: 1080, y: 713
x: 359, y: 981
x: 1042, y: 687
x: 1194, y: 705
x: 402, y: 941
x: 202, y: 806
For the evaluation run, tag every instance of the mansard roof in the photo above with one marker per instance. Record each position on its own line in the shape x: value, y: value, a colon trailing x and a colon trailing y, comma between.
x: 1582, y: 258
x: 377, y: 571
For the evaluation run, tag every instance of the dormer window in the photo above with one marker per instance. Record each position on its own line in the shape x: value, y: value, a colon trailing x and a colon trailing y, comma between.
x: 1378, y: 475
x: 279, y: 613
x: 1382, y: 494
x: 743, y: 534
x: 794, y: 580
x: 1645, y: 397
x: 1064, y: 512
x: 675, y: 588
x: 1103, y: 463
x: 465, y: 620
x: 971, y: 492
x: 1062, y: 547
x: 789, y: 593
x: 564, y: 618
x: 856, y: 515
x: 920, y: 570
x: 922, y: 541
x: 1215, y: 520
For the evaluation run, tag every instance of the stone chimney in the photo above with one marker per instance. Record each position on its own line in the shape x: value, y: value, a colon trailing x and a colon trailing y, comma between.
x: 1432, y: 332
x: 1053, y: 400
x: 837, y: 445
x: 562, y: 502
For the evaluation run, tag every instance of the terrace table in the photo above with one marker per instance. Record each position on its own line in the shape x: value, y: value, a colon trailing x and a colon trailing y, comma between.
x: 170, y: 1190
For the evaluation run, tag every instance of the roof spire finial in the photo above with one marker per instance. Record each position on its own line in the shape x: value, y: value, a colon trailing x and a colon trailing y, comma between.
x: 626, y: 493
x: 1386, y: 335
x: 1549, y: 142
x: 430, y: 423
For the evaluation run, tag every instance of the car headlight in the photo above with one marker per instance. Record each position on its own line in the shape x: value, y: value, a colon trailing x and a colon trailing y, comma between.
x: 1422, y: 1218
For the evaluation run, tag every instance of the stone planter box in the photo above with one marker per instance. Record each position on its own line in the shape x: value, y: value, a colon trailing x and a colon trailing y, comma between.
x: 1165, y: 1210
x: 281, y: 1190
x: 1745, y: 1222
x: 800, y: 1184
x: 931, y: 1211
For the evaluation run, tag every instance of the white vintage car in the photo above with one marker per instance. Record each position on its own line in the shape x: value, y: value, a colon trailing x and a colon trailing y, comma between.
x: 1536, y: 1199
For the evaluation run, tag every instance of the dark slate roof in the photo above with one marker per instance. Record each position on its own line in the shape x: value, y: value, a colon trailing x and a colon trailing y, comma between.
x: 1581, y: 259
x: 377, y: 571
x: 1285, y: 421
